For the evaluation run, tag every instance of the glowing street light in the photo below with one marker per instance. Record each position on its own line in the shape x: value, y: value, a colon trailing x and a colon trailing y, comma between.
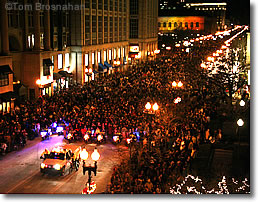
x: 155, y: 107
x: 95, y: 155
x: 148, y: 106
x: 240, y: 122
x: 203, y: 65
x: 180, y: 84
x: 84, y: 155
x: 174, y: 84
x: 242, y: 103
x: 38, y: 82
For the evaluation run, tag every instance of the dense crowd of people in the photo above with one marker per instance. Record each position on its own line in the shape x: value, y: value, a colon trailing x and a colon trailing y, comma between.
x: 115, y: 103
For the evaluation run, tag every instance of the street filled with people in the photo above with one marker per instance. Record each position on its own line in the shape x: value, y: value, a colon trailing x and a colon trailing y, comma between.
x: 167, y: 138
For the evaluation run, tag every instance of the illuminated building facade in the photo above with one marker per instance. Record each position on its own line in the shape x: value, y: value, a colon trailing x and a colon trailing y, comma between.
x: 213, y: 12
x: 99, y: 37
x: 36, y: 45
x: 143, y: 36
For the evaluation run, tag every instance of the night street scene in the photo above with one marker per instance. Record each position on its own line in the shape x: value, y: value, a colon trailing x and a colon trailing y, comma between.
x: 125, y: 97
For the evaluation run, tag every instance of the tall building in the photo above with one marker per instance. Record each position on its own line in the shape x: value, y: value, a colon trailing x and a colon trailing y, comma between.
x: 38, y: 46
x: 99, y: 36
x: 143, y: 36
x: 6, y: 73
x: 47, y: 45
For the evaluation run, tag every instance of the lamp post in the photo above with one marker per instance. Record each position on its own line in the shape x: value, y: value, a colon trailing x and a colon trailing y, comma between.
x: 95, y: 157
x: 240, y: 123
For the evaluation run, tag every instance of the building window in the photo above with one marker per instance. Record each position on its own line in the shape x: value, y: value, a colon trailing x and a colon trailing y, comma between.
x: 186, y: 25
x: 180, y: 24
x: 99, y: 57
x: 116, y: 5
x: 105, y: 55
x: 191, y: 24
x: 110, y: 55
x: 116, y: 28
x: 87, y: 30
x: 175, y: 24
x: 93, y: 58
x: 87, y: 4
x: 94, y: 30
x: 94, y: 4
x: 30, y: 18
x: 110, y: 29
x: 133, y: 28
x: 134, y: 7
x: 60, y: 61
x: 120, y: 29
x: 164, y: 24
x: 67, y: 60
x: 170, y: 24
x: 111, y: 5
x: 197, y: 24
x: 120, y: 6
x: 86, y: 60
x: 41, y: 19
x: 105, y: 4
x: 100, y: 4
x: 159, y: 24
x: 100, y: 30
x: 105, y: 29
x: 4, y: 80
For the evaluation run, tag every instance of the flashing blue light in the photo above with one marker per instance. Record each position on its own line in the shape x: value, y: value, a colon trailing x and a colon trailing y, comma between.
x: 137, y: 135
x: 54, y: 125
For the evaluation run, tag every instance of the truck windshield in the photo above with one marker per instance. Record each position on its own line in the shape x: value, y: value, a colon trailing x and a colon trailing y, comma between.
x: 54, y: 155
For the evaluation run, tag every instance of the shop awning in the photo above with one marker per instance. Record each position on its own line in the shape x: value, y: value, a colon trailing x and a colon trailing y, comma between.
x: 64, y: 74
x: 102, y: 67
x: 107, y: 65
x: 6, y: 69
x: 48, y: 62
x: 57, y: 76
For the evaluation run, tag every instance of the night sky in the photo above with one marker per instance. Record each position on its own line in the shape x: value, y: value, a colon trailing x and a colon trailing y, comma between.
x: 239, y: 11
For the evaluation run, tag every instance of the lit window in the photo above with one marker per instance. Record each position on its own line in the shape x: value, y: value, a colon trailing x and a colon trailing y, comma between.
x: 93, y: 58
x: 105, y: 55
x: 86, y: 59
x: 110, y: 54
x: 67, y: 60
x: 60, y: 61
x: 99, y: 57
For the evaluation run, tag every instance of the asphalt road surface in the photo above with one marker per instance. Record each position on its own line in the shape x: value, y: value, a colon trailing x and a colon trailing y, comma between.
x: 20, y: 170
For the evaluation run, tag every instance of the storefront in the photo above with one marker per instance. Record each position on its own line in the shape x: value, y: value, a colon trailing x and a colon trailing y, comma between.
x: 7, y: 101
x: 66, y: 79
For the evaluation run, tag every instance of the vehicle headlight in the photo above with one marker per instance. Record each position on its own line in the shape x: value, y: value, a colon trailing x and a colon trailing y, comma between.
x: 42, y: 165
x: 57, y: 167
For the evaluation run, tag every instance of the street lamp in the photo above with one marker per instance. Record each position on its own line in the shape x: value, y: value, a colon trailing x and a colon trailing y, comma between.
x: 240, y: 122
x: 148, y: 106
x: 174, y: 84
x: 155, y: 107
x: 95, y: 157
x: 180, y: 84
x: 242, y: 103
